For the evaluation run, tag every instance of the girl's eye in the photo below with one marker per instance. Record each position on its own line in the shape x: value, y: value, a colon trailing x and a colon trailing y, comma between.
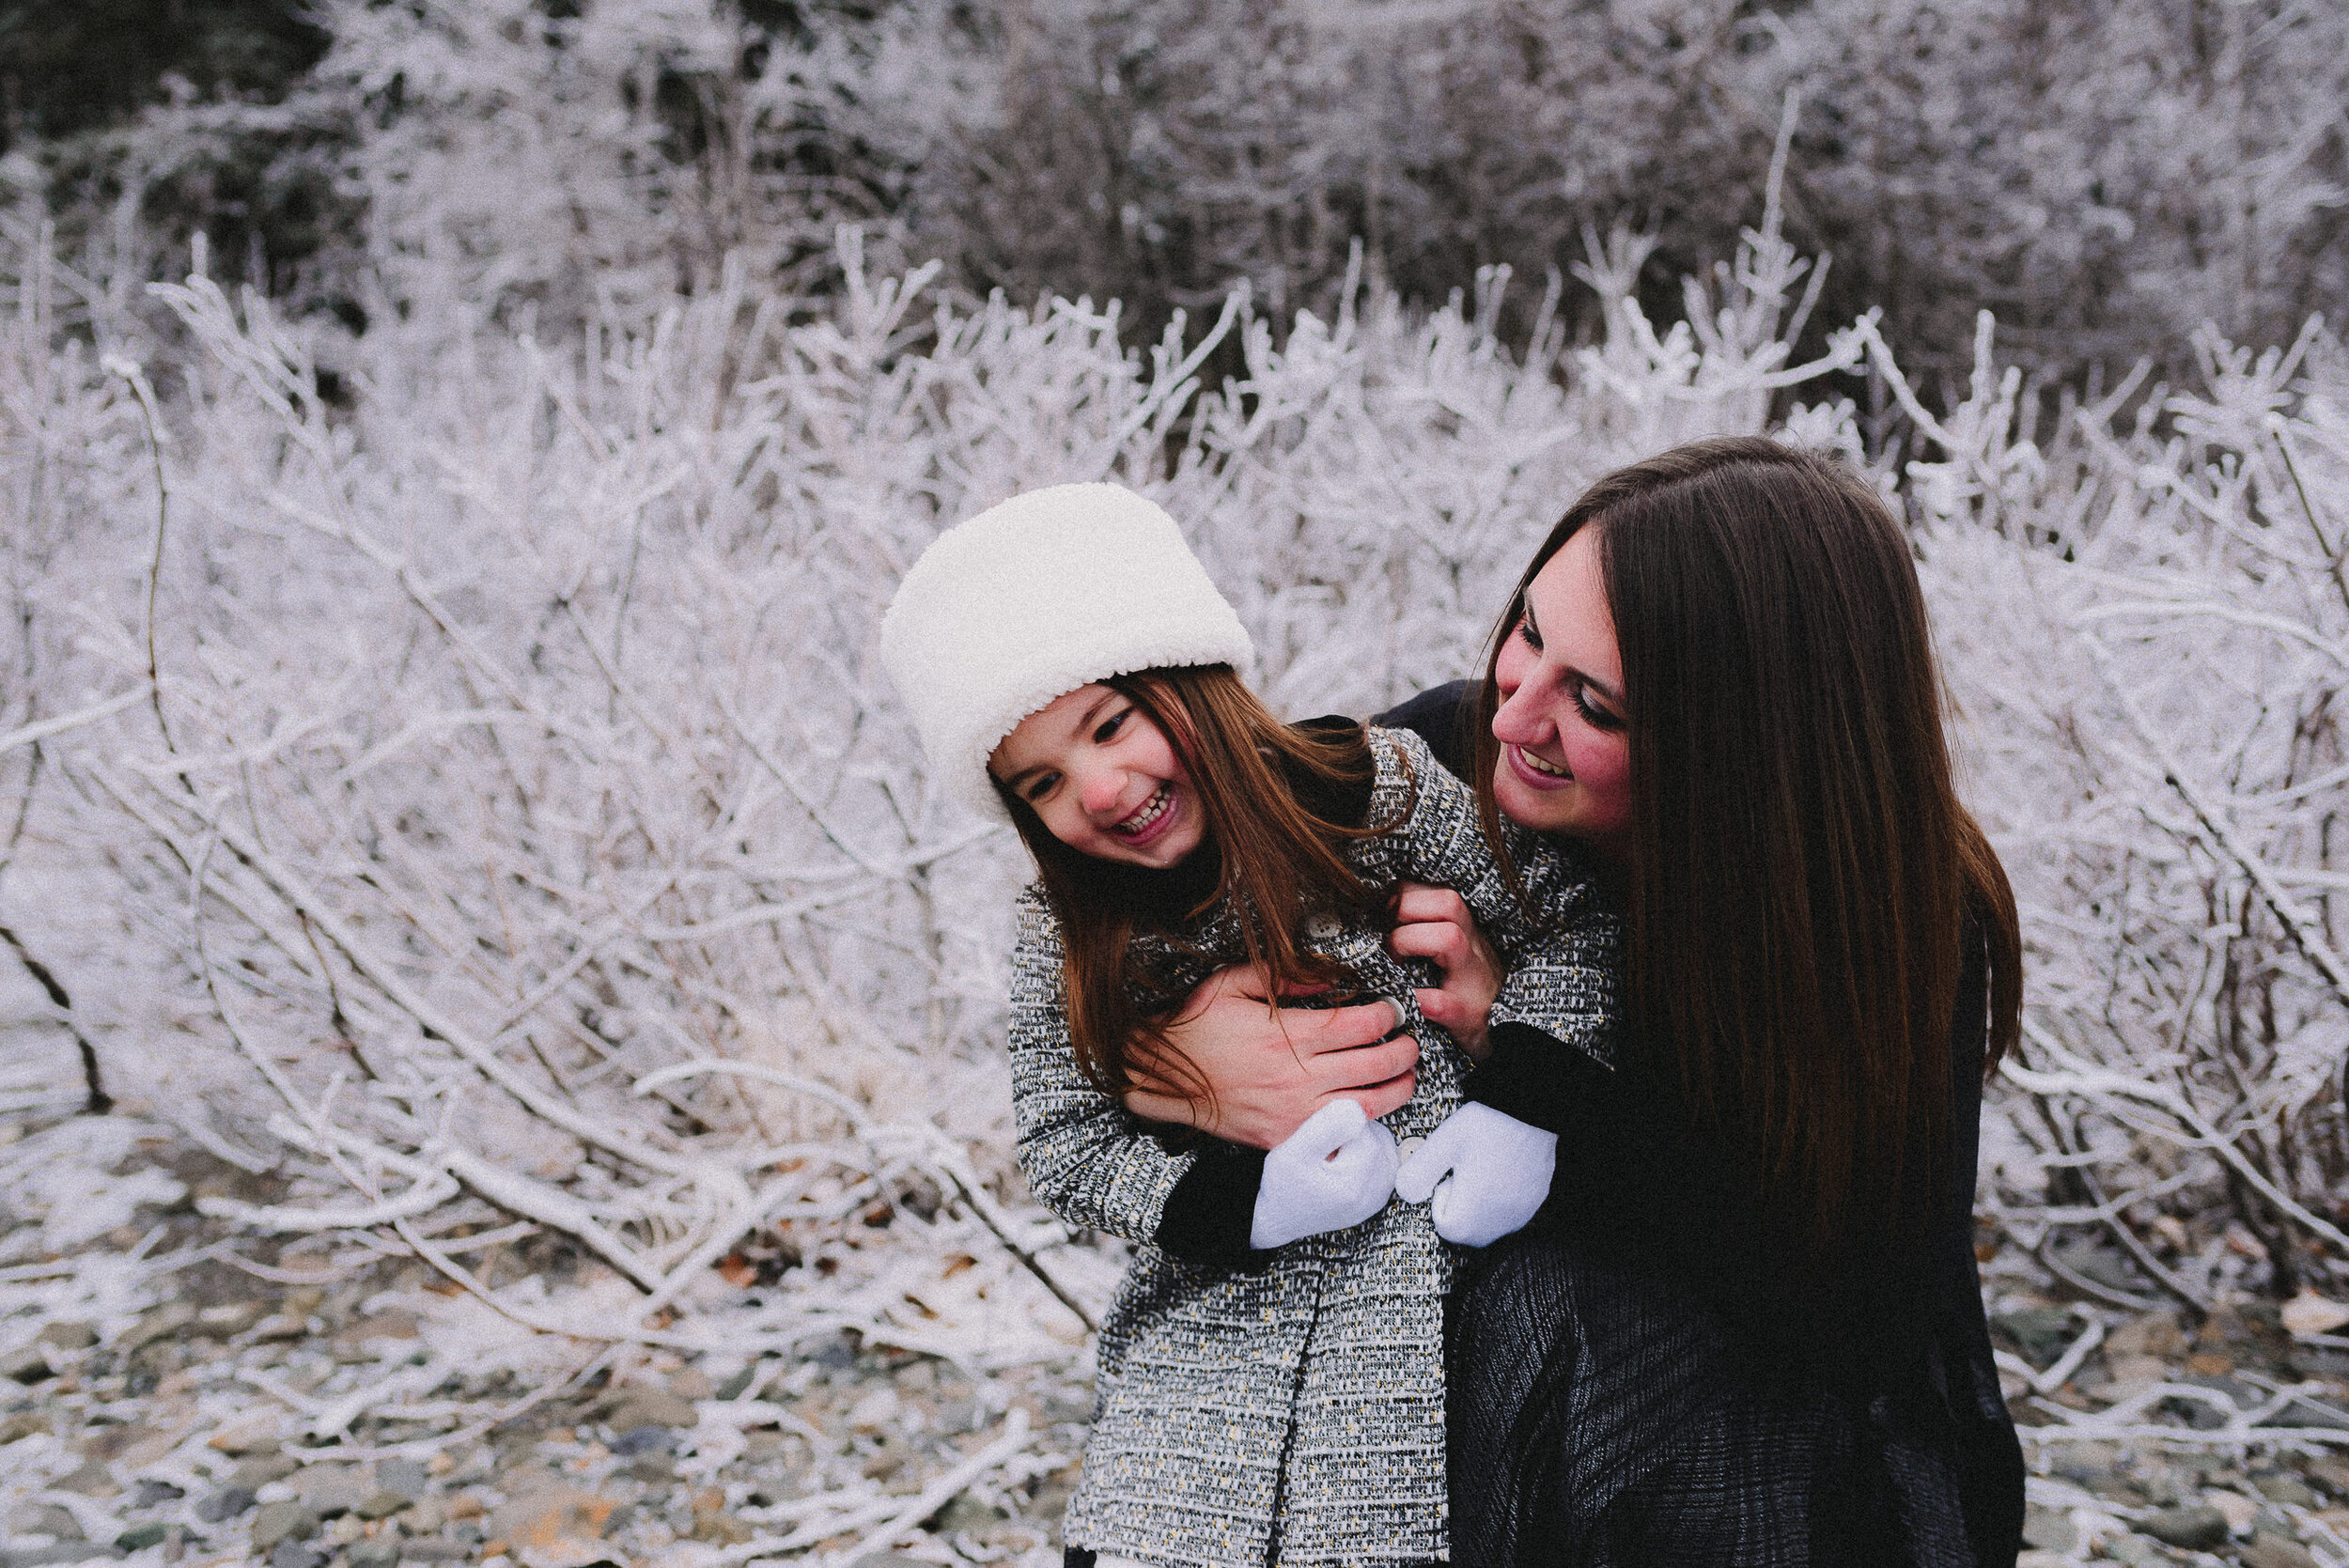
x: 1039, y: 786
x: 1593, y: 715
x: 1109, y: 727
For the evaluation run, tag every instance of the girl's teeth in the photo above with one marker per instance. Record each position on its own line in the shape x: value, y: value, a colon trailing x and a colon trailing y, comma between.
x: 1150, y: 813
x: 1540, y: 767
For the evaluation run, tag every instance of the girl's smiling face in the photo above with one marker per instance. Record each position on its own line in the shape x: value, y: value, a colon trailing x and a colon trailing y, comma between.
x: 1103, y: 779
x: 1565, y: 758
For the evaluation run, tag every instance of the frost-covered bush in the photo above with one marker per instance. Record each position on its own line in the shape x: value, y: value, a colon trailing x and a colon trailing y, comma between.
x: 480, y: 795
x: 515, y: 812
x: 2105, y: 181
x: 137, y: 126
x: 2146, y: 622
x: 606, y: 157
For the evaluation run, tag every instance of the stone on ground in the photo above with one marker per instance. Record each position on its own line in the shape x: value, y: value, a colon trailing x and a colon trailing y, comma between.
x: 282, y: 1521
x: 2199, y: 1528
x: 559, y: 1527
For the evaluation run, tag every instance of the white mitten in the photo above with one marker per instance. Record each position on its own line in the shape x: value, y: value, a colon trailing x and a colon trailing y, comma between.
x: 1486, y: 1171
x: 1336, y: 1171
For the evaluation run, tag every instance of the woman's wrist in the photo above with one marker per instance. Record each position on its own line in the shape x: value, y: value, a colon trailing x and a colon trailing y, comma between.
x: 1259, y: 1073
x: 1254, y: 1126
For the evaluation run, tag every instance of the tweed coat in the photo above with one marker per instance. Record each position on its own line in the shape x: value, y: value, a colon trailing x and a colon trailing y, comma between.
x: 1288, y: 1408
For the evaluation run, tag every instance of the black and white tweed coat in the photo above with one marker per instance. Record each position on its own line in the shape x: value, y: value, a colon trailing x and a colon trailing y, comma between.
x: 1292, y: 1412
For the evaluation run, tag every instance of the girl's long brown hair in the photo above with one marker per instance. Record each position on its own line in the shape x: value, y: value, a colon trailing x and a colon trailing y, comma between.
x: 1802, y: 874
x: 1280, y: 863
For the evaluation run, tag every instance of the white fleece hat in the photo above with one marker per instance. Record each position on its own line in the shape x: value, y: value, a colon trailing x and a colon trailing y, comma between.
x: 1052, y: 590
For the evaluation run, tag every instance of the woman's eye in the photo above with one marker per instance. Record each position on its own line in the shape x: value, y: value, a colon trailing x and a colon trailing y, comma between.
x: 1593, y: 715
x: 1525, y: 629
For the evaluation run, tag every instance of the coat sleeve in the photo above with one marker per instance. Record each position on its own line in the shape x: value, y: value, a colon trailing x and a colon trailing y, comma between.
x: 1090, y: 1160
x: 1555, y: 1014
x: 1561, y: 944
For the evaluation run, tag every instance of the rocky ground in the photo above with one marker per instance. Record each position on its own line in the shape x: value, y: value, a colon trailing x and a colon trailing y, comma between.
x: 175, y: 1391
x: 2223, y: 1434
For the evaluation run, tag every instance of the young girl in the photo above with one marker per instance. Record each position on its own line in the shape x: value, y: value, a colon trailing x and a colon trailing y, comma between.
x: 1270, y: 1380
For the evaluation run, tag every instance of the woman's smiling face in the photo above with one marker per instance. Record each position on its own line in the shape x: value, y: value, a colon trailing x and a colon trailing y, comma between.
x: 1565, y: 759
x: 1103, y: 779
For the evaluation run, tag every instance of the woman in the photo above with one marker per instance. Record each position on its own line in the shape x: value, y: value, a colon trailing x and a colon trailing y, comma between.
x: 1747, y: 1326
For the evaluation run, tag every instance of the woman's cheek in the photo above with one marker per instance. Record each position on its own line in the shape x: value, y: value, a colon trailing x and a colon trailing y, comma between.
x: 1605, y: 771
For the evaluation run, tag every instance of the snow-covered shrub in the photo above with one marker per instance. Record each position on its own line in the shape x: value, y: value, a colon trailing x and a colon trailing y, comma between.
x: 517, y: 811
x: 2145, y: 622
x: 2105, y: 185
x: 516, y: 819
x: 590, y: 164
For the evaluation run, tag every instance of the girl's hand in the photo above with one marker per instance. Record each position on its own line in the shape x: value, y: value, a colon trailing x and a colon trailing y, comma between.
x: 1482, y: 1172
x: 1272, y: 1070
x: 1435, y: 924
x: 1336, y: 1171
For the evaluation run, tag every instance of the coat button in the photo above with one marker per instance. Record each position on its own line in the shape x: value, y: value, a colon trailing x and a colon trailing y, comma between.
x: 1408, y: 1146
x: 1324, y: 929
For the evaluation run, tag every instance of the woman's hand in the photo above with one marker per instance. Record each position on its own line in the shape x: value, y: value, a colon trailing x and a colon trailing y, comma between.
x: 1272, y: 1070
x: 1435, y: 924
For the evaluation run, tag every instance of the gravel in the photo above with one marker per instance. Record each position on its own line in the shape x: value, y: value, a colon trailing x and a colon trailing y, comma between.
x: 209, y: 1397
x: 183, y: 1414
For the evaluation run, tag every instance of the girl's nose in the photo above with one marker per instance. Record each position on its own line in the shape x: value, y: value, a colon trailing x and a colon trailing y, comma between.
x: 1099, y: 790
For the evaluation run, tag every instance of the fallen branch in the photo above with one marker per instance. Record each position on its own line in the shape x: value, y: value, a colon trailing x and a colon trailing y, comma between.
x: 948, y: 1161
x: 2060, y: 1370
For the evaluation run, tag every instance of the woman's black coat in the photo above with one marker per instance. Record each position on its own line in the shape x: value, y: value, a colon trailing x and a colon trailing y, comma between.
x: 1641, y: 1379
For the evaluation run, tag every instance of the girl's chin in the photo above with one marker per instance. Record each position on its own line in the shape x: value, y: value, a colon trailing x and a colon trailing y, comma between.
x: 1174, y: 847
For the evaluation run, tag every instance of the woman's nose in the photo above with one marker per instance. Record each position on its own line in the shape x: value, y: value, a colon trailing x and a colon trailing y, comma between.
x: 1515, y: 721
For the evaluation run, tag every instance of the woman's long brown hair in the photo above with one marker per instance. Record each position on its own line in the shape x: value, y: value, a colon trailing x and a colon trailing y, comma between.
x: 1280, y: 863
x: 1801, y: 873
